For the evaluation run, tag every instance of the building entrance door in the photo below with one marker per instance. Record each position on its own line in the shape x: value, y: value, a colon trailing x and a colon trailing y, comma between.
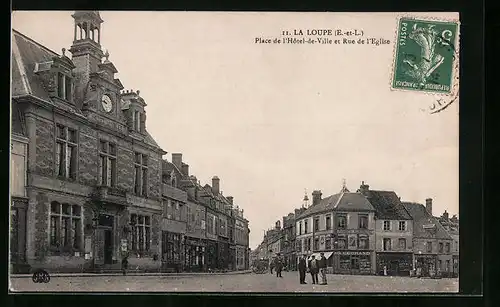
x: 108, y: 246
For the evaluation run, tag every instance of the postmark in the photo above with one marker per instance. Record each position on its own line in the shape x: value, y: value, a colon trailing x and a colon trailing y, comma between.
x: 426, y: 59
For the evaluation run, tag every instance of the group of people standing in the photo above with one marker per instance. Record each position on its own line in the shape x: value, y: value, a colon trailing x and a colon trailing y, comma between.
x: 315, y: 267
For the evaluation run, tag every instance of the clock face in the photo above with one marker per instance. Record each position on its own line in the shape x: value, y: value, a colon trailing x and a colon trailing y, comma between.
x: 107, y: 104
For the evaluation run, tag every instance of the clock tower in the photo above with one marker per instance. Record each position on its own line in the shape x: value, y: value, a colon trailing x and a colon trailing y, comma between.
x: 97, y: 91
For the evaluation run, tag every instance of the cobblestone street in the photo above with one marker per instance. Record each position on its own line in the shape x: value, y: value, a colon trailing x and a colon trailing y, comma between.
x: 235, y: 283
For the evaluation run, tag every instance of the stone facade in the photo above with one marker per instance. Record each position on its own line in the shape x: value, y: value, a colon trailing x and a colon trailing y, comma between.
x: 77, y: 221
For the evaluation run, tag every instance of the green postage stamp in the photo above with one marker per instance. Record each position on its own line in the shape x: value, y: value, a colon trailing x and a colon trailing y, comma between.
x: 426, y: 55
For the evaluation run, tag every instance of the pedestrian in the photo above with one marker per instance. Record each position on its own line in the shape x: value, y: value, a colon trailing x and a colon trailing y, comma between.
x: 279, y: 267
x: 302, y: 270
x: 314, y: 269
x: 124, y: 264
x: 322, y: 268
x: 271, y: 266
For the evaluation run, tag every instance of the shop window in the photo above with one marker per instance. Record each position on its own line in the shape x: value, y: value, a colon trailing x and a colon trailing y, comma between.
x: 429, y: 247
x: 363, y: 222
x: 402, y: 225
x: 355, y: 263
x: 309, y: 245
x: 447, y: 268
x: 387, y: 225
x: 65, y: 226
x: 363, y: 242
x: 66, y: 152
x: 342, y: 243
x: 387, y: 244
x: 316, y: 244
x: 107, y: 164
x: 342, y: 222
x: 440, y: 247
x: 402, y: 244
x: 328, y: 243
x: 141, y: 232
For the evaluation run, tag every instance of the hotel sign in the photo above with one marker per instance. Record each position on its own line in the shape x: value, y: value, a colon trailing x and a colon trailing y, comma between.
x: 352, y: 253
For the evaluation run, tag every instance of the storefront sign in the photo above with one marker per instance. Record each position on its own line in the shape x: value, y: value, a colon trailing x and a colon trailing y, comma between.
x: 354, y: 231
x: 194, y: 242
x: 353, y: 253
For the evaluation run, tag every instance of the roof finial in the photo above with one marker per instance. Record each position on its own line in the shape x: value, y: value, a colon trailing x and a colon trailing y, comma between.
x: 343, y: 183
x: 64, y: 51
x: 106, y: 55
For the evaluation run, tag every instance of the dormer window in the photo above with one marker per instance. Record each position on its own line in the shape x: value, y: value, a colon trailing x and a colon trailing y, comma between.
x: 63, y: 86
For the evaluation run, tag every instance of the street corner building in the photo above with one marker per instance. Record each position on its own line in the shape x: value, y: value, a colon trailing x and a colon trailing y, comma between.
x: 342, y: 226
x: 89, y: 185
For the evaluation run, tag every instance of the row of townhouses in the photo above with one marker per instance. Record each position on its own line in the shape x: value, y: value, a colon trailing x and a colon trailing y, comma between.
x: 366, y: 232
x: 89, y: 184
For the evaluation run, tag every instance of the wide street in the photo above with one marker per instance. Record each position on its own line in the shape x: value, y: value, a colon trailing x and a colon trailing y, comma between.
x: 234, y: 283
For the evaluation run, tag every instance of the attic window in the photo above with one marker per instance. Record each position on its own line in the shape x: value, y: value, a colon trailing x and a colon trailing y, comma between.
x: 63, y: 86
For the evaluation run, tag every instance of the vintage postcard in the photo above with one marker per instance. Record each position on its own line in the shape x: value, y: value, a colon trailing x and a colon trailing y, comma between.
x: 223, y: 152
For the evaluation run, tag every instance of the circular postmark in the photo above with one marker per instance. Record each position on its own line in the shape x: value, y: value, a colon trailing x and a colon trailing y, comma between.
x: 41, y: 276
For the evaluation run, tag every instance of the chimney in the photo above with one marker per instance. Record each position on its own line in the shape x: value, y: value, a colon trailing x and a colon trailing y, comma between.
x: 316, y: 197
x: 230, y: 199
x: 428, y: 205
x: 185, y: 170
x: 215, y: 185
x: 177, y: 160
x: 446, y: 216
x: 363, y: 189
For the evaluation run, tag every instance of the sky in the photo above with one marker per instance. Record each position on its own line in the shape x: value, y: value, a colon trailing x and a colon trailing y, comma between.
x: 273, y: 121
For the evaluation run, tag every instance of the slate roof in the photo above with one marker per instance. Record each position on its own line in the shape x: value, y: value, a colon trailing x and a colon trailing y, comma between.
x: 342, y: 201
x: 387, y: 205
x: 422, y: 217
x: 25, y: 54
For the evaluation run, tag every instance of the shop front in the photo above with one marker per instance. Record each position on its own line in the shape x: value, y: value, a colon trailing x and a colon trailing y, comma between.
x: 352, y: 262
x: 195, y: 254
x: 18, y: 236
x: 395, y: 264
x: 172, y: 252
x: 425, y: 265
x: 211, y: 255
x: 455, y: 266
x: 223, y: 255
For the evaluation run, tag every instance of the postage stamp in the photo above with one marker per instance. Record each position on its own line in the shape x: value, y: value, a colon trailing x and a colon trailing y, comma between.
x: 426, y: 56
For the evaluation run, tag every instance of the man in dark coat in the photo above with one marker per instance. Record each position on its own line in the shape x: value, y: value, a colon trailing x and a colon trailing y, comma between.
x: 278, y: 266
x: 322, y: 268
x: 314, y: 269
x: 302, y: 270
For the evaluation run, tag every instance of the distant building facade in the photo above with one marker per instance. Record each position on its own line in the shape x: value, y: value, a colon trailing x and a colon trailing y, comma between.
x: 393, y: 232
x: 432, y: 244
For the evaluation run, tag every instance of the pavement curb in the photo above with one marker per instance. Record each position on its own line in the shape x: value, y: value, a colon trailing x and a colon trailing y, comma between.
x: 130, y: 274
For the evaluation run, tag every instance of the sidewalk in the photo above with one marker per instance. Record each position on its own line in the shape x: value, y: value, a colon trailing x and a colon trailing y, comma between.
x: 131, y: 274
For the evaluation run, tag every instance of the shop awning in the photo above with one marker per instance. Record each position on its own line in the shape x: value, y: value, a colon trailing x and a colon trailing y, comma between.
x: 318, y: 255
